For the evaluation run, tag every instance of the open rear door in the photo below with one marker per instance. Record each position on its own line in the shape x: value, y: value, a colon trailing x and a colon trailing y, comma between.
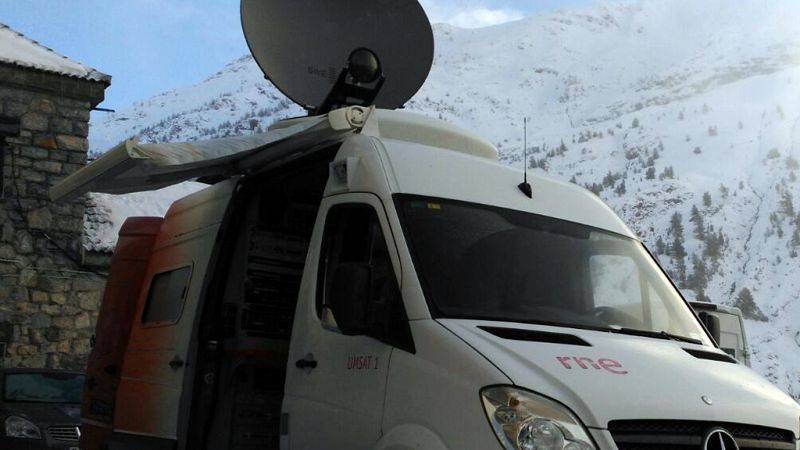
x: 123, y: 289
x: 156, y: 364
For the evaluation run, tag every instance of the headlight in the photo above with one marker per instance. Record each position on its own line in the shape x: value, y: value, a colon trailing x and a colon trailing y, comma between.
x: 525, y: 421
x: 22, y: 428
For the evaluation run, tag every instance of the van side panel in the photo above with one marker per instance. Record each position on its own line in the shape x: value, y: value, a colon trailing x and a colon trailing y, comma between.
x: 128, y: 270
x: 444, y: 376
x: 156, y: 359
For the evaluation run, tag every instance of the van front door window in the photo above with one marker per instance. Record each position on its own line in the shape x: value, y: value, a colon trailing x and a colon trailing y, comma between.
x: 353, y: 237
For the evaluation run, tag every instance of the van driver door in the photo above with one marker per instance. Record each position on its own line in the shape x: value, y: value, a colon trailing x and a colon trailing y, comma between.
x: 154, y: 367
x: 335, y: 382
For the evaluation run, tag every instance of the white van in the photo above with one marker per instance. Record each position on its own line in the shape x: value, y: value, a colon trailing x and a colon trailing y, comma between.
x: 396, y: 290
x: 373, y: 279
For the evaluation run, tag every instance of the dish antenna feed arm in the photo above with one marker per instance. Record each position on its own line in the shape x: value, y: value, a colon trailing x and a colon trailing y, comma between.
x: 358, y: 83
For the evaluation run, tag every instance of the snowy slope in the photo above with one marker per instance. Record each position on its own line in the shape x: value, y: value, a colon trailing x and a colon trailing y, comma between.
x: 661, y: 106
x: 233, y: 101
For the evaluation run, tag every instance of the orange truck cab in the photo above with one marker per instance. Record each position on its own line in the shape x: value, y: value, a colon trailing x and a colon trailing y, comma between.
x: 104, y: 367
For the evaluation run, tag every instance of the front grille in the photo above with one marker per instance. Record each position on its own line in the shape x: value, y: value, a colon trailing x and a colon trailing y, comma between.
x: 64, y: 434
x: 689, y: 435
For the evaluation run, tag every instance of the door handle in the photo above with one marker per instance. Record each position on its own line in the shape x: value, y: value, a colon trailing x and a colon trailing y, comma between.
x: 306, y: 363
x: 176, y: 363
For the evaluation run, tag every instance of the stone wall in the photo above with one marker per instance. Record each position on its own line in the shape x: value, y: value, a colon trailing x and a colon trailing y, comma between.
x: 48, y: 298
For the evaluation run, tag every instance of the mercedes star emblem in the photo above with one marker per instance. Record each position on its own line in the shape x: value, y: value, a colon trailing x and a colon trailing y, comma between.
x: 719, y: 439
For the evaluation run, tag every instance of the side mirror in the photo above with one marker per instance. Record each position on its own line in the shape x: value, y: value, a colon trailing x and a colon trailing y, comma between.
x: 712, y: 324
x: 349, y: 297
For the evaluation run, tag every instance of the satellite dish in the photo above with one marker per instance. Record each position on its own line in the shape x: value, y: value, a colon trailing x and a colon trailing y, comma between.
x: 308, y: 48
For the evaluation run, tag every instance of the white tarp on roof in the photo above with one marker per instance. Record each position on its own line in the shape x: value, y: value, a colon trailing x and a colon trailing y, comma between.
x: 133, y: 167
x: 19, y: 50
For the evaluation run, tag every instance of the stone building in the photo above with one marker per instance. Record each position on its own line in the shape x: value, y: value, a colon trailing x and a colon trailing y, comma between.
x: 48, y: 297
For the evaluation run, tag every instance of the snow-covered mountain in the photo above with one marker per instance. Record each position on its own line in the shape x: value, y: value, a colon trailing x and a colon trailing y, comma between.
x: 683, y: 115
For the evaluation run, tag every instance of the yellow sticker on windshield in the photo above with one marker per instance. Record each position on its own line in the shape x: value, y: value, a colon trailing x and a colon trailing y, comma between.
x: 434, y: 206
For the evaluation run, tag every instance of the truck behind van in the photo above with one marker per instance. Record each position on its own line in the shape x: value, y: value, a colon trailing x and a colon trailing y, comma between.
x: 367, y: 278
x: 732, y: 334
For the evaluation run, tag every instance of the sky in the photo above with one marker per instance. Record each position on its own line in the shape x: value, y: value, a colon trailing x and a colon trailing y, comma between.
x: 150, y: 46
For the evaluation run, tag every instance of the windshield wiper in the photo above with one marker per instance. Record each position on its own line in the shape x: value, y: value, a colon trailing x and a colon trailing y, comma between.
x: 655, y: 334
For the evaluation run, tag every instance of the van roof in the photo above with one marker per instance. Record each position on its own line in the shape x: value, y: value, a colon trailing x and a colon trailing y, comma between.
x: 424, y: 170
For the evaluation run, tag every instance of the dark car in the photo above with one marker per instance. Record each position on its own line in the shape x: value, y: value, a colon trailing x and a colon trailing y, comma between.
x: 40, y: 409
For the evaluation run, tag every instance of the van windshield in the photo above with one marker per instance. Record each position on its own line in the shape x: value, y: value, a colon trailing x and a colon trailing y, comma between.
x: 482, y: 262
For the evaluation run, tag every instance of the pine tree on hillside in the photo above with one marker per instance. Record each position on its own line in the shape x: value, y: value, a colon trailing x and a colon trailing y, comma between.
x: 681, y: 269
x: 609, y: 180
x: 562, y: 148
x: 667, y: 174
x: 714, y: 245
x: 699, y: 274
x: 795, y: 243
x: 660, y: 246
x: 706, y: 199
x: 596, y: 188
x: 699, y: 224
x: 621, y: 189
x: 747, y: 304
x: 700, y: 295
x: 676, y: 226
x: 679, y: 255
x: 787, y: 204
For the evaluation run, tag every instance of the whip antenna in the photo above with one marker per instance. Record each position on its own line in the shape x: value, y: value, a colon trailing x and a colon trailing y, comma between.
x: 524, y: 186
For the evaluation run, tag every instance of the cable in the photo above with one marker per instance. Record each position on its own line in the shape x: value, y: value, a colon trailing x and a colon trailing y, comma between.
x: 19, y: 264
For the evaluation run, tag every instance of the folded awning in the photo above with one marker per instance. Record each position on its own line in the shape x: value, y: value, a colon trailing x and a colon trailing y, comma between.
x: 134, y: 167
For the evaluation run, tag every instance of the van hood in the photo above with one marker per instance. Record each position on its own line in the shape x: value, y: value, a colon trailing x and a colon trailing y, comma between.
x: 618, y: 377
